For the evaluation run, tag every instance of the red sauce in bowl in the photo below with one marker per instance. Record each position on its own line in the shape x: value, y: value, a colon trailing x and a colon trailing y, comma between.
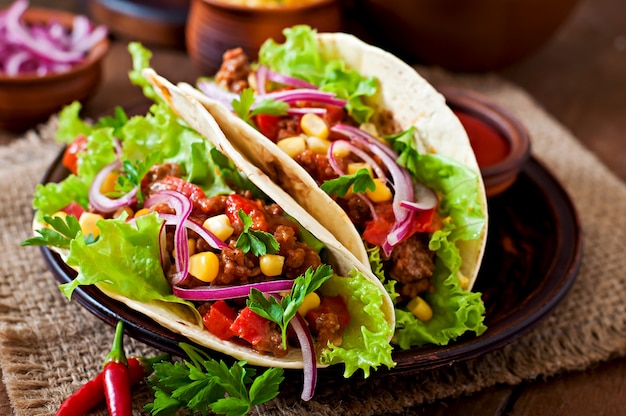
x: 490, y: 146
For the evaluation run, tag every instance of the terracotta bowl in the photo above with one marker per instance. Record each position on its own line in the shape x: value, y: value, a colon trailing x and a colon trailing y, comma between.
x: 468, y: 35
x: 499, y: 140
x: 214, y: 26
x: 28, y: 99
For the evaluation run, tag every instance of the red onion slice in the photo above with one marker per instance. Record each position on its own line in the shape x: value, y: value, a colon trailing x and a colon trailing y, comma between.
x: 292, y: 96
x: 285, y: 79
x: 216, y: 92
x: 103, y: 203
x: 300, y: 111
x: 308, y: 356
x: 211, y: 293
x: 182, y: 207
x: 206, y: 235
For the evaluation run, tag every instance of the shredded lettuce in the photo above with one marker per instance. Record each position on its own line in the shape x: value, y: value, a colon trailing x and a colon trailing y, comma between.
x: 300, y: 57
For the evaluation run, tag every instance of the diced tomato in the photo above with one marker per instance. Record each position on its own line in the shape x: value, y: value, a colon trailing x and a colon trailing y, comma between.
x: 74, y: 209
x: 193, y: 192
x: 334, y: 114
x: 236, y: 202
x: 70, y: 159
x: 250, y: 326
x: 219, y: 318
x: 268, y: 125
x: 330, y: 304
x: 376, y: 231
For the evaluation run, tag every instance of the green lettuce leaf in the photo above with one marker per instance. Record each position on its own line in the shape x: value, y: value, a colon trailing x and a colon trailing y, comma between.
x: 365, y: 342
x: 300, y: 57
x: 136, y: 272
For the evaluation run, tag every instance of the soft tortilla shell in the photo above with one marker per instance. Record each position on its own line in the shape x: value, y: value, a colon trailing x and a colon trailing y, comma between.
x: 412, y: 101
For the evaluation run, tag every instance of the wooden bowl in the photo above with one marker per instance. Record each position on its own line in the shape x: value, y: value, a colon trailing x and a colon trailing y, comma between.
x: 28, y: 99
x: 214, y: 26
x: 500, y: 141
x: 467, y: 35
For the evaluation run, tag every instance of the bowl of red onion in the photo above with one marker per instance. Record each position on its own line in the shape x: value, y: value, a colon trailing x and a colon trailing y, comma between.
x: 48, y: 59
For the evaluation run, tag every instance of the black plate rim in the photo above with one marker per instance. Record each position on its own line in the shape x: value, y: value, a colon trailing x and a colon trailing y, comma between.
x: 562, y: 273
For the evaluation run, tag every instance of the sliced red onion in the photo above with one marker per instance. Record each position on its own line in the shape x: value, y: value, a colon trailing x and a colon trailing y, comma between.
x: 285, y: 79
x: 103, y: 203
x: 206, y: 235
x: 211, y: 293
x: 425, y: 198
x: 300, y: 111
x: 380, y: 173
x: 292, y: 96
x: 308, y: 356
x: 216, y: 92
x: 182, y: 207
x: 362, y: 136
x: 261, y: 79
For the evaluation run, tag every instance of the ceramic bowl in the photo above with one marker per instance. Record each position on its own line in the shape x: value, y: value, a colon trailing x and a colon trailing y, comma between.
x: 28, y: 99
x: 500, y: 141
x: 214, y: 26
x: 468, y: 35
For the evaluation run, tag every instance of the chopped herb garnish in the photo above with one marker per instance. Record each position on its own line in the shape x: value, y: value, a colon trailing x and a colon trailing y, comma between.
x: 256, y: 241
x: 133, y: 173
x: 281, y: 312
x: 360, y: 181
x: 243, y: 106
x: 63, y: 231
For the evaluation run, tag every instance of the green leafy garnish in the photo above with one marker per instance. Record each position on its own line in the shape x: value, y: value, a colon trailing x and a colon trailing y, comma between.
x: 360, y: 181
x: 282, y: 312
x: 243, y: 106
x: 205, y: 383
x: 256, y: 241
x: 63, y: 231
x: 233, y: 176
x: 134, y: 173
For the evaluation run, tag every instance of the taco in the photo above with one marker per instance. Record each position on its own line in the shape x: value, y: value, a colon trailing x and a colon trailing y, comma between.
x: 371, y: 150
x: 161, y: 217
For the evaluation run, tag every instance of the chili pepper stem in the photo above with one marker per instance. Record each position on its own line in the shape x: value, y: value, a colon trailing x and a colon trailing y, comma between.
x: 117, y: 350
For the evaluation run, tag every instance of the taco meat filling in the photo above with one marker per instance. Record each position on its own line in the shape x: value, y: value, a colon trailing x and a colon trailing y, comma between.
x: 411, y: 263
x: 232, y: 319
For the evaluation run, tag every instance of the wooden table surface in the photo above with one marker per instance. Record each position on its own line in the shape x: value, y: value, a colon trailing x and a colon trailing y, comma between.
x: 580, y: 78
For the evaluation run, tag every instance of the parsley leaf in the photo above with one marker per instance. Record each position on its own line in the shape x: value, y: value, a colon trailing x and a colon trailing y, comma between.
x: 232, y: 175
x: 133, y: 173
x: 404, y: 144
x: 283, y: 311
x: 257, y: 241
x: 360, y: 181
x: 243, y: 106
x: 203, y: 383
x: 63, y: 231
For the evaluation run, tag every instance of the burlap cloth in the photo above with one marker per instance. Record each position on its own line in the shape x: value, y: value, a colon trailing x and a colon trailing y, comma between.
x: 49, y: 346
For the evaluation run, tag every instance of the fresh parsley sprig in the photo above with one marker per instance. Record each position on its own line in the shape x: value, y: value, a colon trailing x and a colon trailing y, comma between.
x: 243, y: 106
x: 281, y: 312
x: 63, y: 231
x: 257, y: 241
x: 133, y: 173
x: 204, y: 383
x: 360, y: 181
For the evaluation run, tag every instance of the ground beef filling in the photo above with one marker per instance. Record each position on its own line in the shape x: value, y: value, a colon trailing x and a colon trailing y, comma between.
x: 234, y: 71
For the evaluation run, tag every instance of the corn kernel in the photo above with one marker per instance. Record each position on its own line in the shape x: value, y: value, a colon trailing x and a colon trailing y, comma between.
x: 369, y: 128
x: 382, y: 192
x: 341, y: 151
x: 191, y: 244
x: 108, y: 185
x: 271, y: 264
x: 313, y: 125
x: 463, y: 281
x: 420, y: 309
x: 310, y: 302
x: 293, y: 146
x: 88, y: 222
x: 142, y: 211
x: 219, y: 226
x: 317, y: 145
x: 204, y: 266
x: 357, y: 166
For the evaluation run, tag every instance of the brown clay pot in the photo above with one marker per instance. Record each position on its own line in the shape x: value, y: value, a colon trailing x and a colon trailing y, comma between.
x: 467, y: 35
x: 214, y: 26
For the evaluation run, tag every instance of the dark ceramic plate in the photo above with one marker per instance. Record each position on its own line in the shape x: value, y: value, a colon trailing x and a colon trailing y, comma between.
x: 533, y: 253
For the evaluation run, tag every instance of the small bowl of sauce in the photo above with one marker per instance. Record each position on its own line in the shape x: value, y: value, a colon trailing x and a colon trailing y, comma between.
x: 500, y: 141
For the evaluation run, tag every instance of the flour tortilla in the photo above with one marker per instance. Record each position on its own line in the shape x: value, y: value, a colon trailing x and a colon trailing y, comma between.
x: 411, y: 100
x: 342, y: 261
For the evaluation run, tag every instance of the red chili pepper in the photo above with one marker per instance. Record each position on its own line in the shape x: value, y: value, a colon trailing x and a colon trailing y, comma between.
x: 91, y: 394
x: 115, y: 373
